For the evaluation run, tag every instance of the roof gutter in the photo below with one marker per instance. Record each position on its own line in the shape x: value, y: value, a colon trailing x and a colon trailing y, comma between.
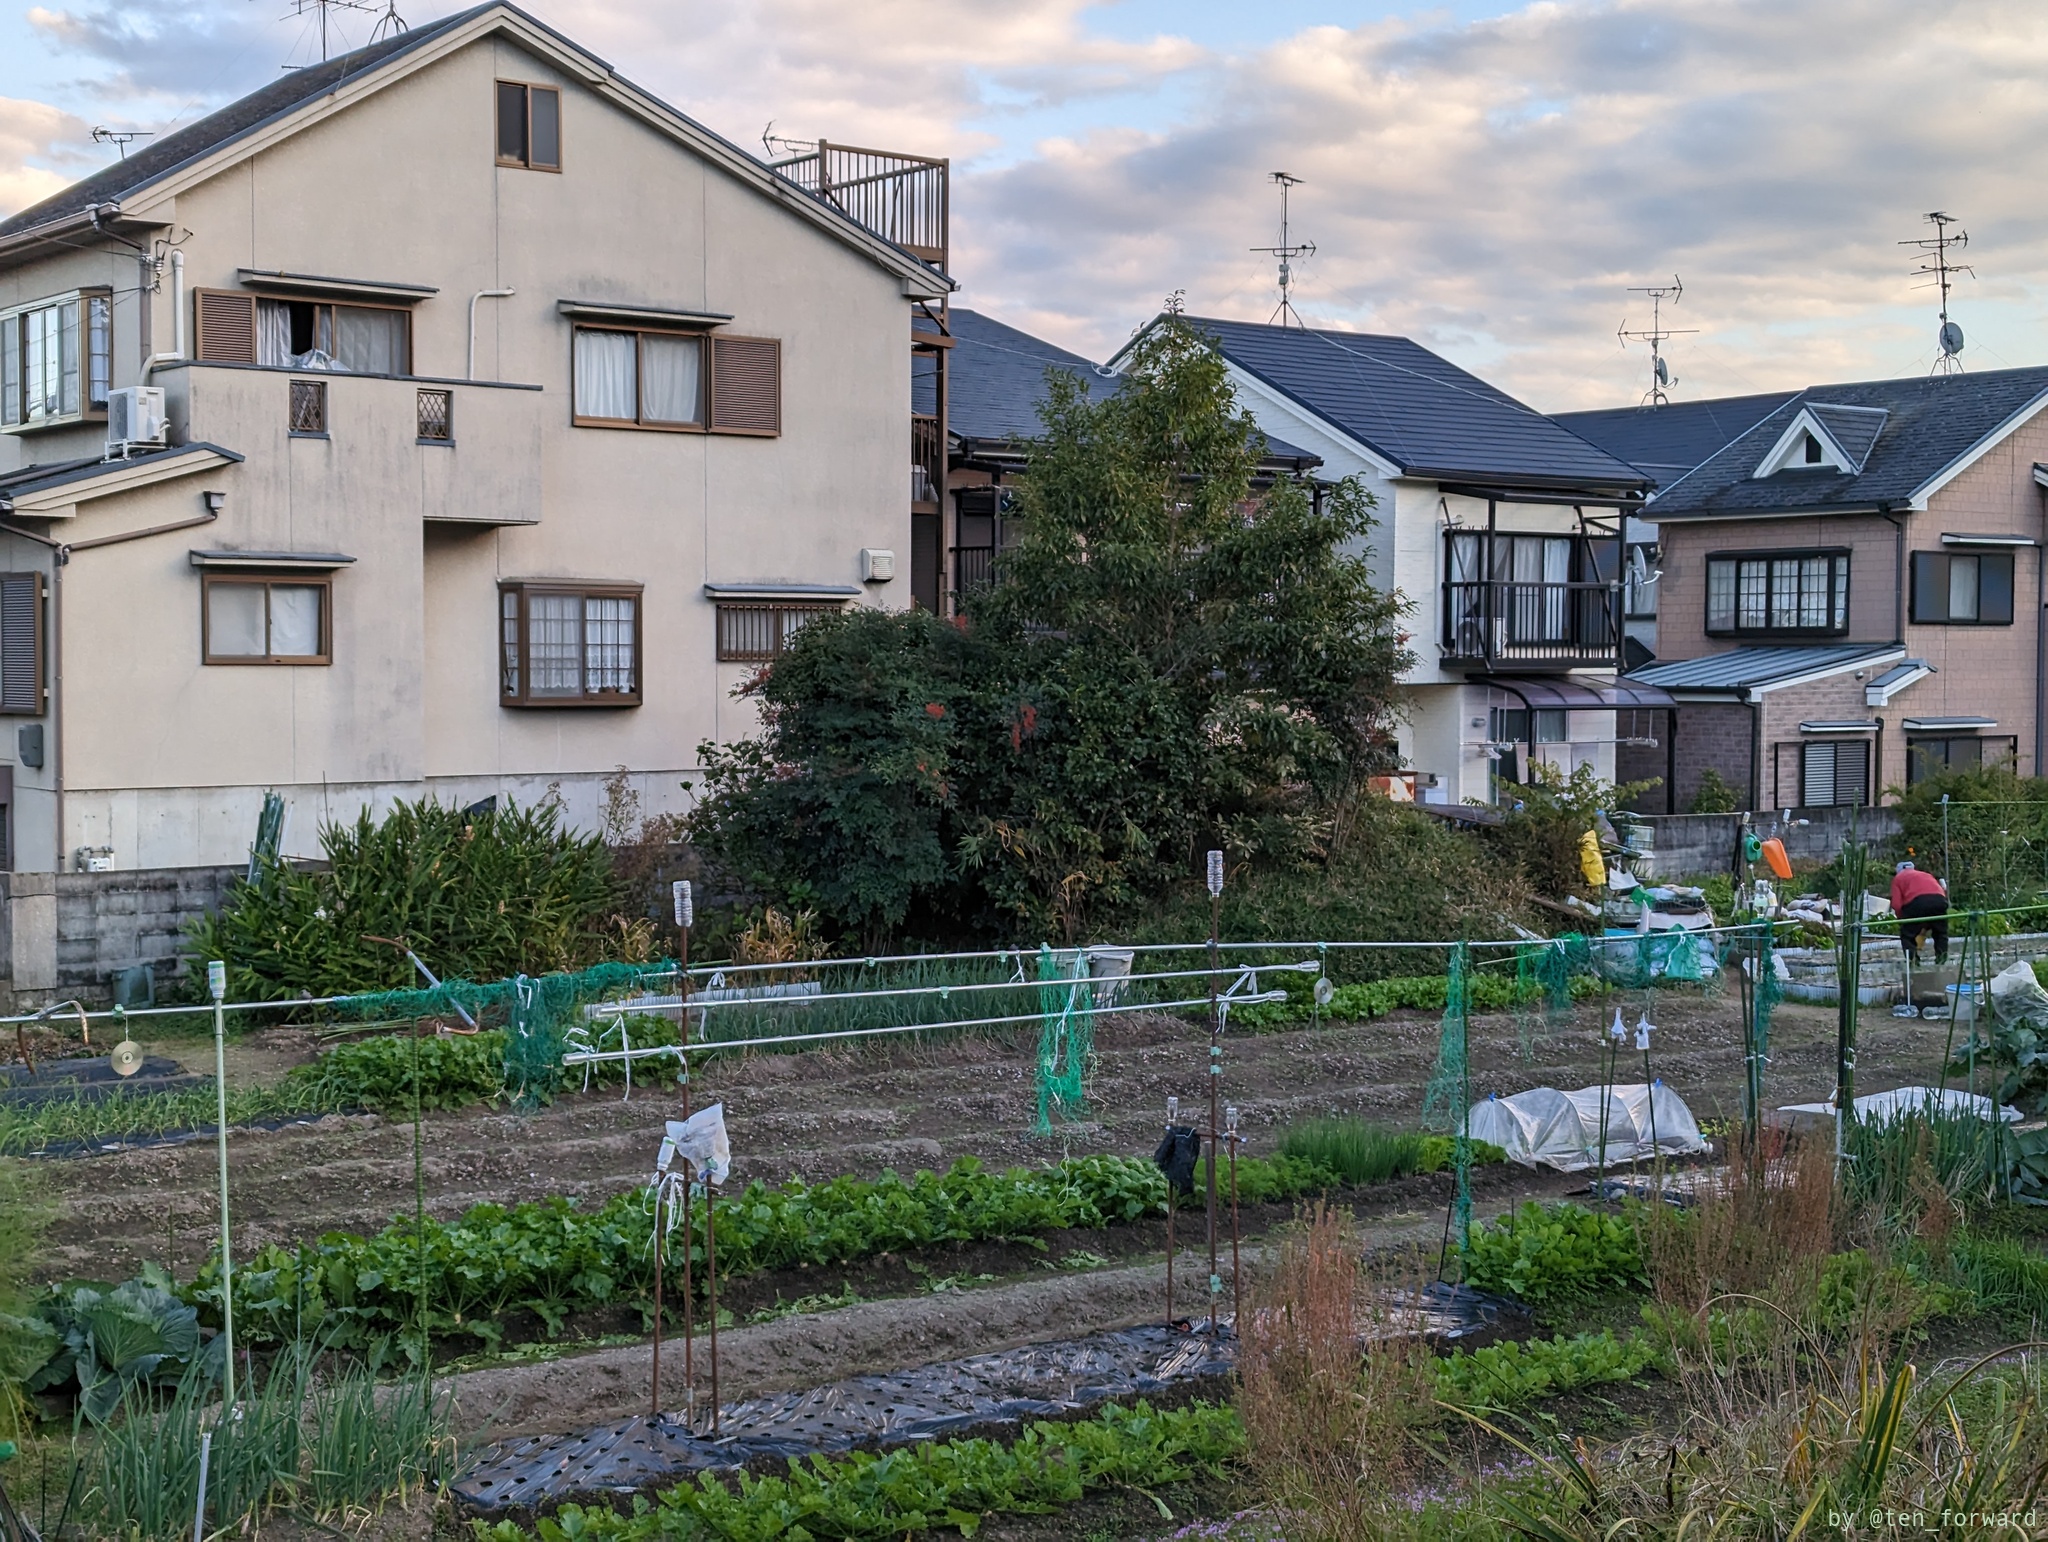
x: 84, y: 222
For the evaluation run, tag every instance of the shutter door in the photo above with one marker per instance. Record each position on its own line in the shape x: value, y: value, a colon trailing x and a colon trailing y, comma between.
x: 227, y: 326
x: 746, y: 385
x: 1817, y: 789
x: 21, y: 640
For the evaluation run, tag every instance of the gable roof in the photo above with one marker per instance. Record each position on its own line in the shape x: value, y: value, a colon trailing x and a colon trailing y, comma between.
x: 1415, y: 410
x: 996, y: 385
x: 1931, y: 427
x: 1667, y: 441
x: 247, y: 124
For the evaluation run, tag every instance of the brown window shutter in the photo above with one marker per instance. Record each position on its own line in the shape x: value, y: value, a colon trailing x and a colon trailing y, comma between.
x: 746, y: 385
x: 21, y: 644
x: 227, y: 325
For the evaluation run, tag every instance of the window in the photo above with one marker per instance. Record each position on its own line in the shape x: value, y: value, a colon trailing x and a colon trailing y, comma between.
x: 1954, y: 589
x: 1798, y: 593
x: 1812, y: 455
x: 55, y: 360
x: 756, y: 633
x: 644, y: 379
x: 21, y: 644
x: 1964, y: 752
x: 253, y: 620
x: 236, y: 327
x: 309, y: 408
x: 1834, y: 773
x: 437, y: 417
x: 529, y: 126
x: 565, y: 645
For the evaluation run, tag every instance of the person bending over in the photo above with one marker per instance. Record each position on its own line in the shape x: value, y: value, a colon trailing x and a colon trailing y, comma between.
x: 1921, y: 904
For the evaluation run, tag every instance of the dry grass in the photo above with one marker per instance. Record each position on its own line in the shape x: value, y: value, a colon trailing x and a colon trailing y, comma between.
x: 1328, y: 1402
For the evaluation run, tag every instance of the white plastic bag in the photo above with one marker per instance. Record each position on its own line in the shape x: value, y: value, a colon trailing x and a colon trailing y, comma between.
x: 2017, y: 996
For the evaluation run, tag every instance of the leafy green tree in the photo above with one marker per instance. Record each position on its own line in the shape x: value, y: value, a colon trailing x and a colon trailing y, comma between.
x: 1171, y: 656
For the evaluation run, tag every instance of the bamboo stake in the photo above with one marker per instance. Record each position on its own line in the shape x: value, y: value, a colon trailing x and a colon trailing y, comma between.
x: 711, y: 1288
x: 1172, y: 1112
x: 654, y: 1395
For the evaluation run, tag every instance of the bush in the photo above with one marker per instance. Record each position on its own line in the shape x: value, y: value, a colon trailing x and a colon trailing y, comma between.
x: 1558, y: 1253
x: 1714, y: 795
x: 1507, y: 1374
x: 1991, y: 841
x: 480, y: 896
x: 1541, y: 836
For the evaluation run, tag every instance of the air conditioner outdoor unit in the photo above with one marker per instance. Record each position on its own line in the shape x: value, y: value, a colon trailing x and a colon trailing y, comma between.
x: 135, y: 419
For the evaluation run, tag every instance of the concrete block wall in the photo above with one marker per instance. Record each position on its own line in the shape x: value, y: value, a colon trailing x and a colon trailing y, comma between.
x: 1688, y: 844
x: 67, y: 934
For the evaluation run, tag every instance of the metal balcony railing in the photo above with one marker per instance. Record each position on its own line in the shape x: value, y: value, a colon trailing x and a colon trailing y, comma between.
x: 1559, y: 625
x: 927, y: 459
x: 901, y: 198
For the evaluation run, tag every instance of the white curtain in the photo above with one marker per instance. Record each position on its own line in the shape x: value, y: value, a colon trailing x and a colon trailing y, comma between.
x: 554, y: 644
x: 273, y: 333
x: 369, y: 342
x: 674, y: 378
x: 608, y: 643
x: 295, y: 621
x: 607, y: 374
x: 234, y: 621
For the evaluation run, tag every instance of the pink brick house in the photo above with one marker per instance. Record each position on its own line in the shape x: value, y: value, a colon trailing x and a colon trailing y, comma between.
x: 1851, y: 590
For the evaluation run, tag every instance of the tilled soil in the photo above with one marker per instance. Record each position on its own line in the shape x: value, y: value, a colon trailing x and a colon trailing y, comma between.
x: 822, y: 1113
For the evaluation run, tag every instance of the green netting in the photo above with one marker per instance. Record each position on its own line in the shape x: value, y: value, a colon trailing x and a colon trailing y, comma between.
x: 535, y: 1011
x: 1543, y: 985
x: 1066, y: 1035
x: 1453, y: 1080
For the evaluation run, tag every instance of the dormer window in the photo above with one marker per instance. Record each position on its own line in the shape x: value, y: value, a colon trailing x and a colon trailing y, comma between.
x: 1824, y: 436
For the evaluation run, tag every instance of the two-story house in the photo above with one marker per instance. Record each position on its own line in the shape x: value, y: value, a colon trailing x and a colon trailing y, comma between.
x: 1852, y: 588
x: 510, y: 417
x: 1504, y: 532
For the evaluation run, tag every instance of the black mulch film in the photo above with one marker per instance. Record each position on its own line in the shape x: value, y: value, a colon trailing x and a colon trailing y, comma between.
x: 981, y: 1395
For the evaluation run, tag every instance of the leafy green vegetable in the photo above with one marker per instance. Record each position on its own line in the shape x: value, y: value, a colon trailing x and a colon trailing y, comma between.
x: 116, y: 1339
x: 1504, y: 1375
x: 1556, y: 1253
x: 946, y: 1485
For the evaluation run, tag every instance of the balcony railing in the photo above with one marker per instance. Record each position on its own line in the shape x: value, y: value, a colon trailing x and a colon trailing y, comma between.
x: 1556, y: 625
x: 901, y: 198
x: 927, y: 459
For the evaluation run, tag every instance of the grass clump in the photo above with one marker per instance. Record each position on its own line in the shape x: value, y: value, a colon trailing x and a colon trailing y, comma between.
x: 944, y: 1485
x: 127, y: 1116
x: 1360, y: 1153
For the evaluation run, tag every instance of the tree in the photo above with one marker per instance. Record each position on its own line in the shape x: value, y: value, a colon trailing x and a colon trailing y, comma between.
x: 1170, y: 657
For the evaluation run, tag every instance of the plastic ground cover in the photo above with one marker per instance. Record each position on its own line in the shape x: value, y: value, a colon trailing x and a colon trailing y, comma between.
x: 89, y: 1080
x: 980, y: 1395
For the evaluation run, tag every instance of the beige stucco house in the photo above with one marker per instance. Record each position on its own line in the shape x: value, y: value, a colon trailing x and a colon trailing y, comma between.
x: 512, y: 418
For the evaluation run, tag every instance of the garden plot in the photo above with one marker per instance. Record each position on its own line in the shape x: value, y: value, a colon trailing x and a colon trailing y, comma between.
x: 823, y: 1113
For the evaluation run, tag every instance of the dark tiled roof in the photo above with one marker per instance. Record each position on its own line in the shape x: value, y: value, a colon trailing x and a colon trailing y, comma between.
x: 1855, y: 429
x: 33, y: 479
x: 1417, y: 410
x: 176, y: 149
x: 1748, y: 668
x: 1666, y: 442
x: 998, y: 384
x: 1931, y: 423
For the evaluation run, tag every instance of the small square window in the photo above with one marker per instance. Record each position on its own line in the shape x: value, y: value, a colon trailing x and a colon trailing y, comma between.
x: 309, y: 407
x: 437, y: 417
x: 529, y: 126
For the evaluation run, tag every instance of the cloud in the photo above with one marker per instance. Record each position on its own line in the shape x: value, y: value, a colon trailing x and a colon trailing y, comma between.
x: 40, y: 151
x: 1494, y: 189
x: 1491, y: 188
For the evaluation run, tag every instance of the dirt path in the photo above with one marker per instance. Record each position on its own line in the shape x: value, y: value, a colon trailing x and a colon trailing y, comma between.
x: 819, y: 1114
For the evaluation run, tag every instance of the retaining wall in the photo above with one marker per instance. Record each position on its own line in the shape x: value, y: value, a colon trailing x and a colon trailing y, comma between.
x: 1697, y: 844
x: 67, y: 934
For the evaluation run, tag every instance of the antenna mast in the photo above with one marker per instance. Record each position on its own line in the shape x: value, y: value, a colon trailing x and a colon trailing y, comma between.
x: 1285, y: 312
x: 120, y: 137
x: 388, y: 19
x: 1935, y: 266
x: 1656, y: 336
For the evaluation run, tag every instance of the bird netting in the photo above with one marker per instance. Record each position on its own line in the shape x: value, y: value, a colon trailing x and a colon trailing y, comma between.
x: 1447, y: 1103
x: 1066, y: 1035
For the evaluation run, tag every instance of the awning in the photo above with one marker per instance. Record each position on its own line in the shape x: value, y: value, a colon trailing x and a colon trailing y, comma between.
x: 300, y: 561
x: 640, y: 315
x: 1950, y: 724
x: 1578, y: 694
x: 390, y: 291
x: 1823, y: 726
x: 813, y: 592
x: 1963, y: 538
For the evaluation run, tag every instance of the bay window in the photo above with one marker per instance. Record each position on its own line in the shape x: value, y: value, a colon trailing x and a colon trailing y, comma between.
x: 564, y: 644
x: 56, y: 360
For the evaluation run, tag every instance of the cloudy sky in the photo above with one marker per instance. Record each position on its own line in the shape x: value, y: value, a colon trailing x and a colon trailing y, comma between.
x: 1489, y: 179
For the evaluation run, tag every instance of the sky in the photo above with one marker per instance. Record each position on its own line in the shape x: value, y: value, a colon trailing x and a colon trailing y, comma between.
x: 1492, y: 180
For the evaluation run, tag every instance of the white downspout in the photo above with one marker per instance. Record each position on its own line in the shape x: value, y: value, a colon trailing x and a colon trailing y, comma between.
x: 481, y: 294
x: 177, y: 353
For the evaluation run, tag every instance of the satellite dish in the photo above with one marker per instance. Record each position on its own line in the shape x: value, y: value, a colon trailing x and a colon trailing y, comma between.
x: 1951, y: 338
x: 1663, y: 373
x: 125, y: 1058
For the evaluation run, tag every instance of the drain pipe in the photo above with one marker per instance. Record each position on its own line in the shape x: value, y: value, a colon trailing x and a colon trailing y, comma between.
x: 481, y: 294
x: 2041, y: 633
x: 177, y: 354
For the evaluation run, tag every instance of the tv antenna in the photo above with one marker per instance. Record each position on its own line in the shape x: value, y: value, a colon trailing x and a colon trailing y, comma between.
x: 1656, y: 335
x: 771, y: 141
x: 388, y: 20
x: 1940, y: 273
x: 1286, y: 252
x: 121, y: 137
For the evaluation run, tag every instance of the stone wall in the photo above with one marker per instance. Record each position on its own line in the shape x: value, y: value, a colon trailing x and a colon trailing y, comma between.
x: 67, y: 934
x: 1697, y: 844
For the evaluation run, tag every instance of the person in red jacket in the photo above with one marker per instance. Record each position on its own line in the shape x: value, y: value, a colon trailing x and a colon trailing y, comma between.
x: 1918, y: 897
